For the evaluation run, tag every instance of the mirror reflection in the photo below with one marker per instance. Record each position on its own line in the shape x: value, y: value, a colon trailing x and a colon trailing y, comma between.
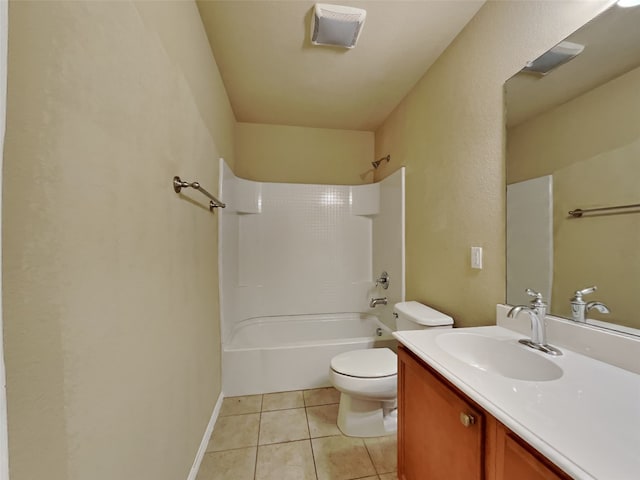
x: 573, y: 142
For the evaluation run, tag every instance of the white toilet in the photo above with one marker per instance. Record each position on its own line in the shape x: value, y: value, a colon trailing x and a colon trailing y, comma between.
x: 368, y: 379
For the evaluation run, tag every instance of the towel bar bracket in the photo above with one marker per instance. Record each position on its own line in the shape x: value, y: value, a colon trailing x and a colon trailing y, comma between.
x: 178, y: 185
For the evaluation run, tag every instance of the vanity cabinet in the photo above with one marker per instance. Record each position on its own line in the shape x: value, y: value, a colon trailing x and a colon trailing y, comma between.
x: 432, y: 441
x: 515, y: 459
x: 444, y: 435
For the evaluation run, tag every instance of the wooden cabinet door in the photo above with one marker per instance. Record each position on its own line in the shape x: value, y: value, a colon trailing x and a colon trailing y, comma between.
x: 517, y: 460
x: 434, y: 444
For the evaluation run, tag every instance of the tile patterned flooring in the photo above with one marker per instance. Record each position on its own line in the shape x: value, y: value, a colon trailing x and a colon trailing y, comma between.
x: 292, y: 436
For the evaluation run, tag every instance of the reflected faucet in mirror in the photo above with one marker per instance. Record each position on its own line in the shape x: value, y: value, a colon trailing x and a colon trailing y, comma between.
x: 579, y: 307
x: 537, y: 311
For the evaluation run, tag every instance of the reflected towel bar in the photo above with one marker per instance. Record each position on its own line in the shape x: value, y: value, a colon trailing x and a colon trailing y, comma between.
x: 178, y: 185
x: 578, y: 212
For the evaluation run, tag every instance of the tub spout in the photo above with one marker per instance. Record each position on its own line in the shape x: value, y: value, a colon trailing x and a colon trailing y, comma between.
x: 377, y: 301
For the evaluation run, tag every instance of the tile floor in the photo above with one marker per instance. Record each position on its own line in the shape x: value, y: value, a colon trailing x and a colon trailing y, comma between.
x: 292, y: 436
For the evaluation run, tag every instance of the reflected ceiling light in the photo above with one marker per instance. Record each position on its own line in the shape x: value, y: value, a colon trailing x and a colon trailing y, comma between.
x: 628, y: 3
x: 332, y: 197
x: 558, y: 55
x: 336, y: 25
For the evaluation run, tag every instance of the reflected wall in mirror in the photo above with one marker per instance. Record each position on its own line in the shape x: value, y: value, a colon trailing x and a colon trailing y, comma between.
x: 573, y: 142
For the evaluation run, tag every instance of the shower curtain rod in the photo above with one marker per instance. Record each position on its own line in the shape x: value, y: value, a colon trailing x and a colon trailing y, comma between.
x: 178, y: 185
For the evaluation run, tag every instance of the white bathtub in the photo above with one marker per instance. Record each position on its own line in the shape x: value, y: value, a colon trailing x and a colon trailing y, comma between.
x: 276, y: 354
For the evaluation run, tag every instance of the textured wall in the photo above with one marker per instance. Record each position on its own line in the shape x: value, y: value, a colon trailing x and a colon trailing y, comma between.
x: 111, y: 328
x: 449, y: 132
x: 596, y: 122
x: 277, y: 153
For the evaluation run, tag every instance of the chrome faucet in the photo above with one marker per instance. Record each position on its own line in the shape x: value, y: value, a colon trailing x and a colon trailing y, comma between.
x: 377, y: 301
x: 537, y: 311
x: 579, y: 307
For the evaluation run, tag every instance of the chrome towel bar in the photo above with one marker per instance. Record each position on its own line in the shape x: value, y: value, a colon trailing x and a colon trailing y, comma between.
x: 178, y: 185
x: 578, y: 212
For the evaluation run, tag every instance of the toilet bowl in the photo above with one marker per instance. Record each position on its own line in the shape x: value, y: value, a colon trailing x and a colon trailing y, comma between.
x: 368, y: 385
x: 368, y: 379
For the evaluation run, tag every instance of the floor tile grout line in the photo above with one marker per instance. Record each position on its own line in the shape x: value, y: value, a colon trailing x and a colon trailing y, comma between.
x: 313, y: 455
x: 231, y: 449
x: 255, y: 463
x: 306, y: 417
x: 281, y: 409
x: 375, y: 468
x: 238, y: 414
x: 313, y: 459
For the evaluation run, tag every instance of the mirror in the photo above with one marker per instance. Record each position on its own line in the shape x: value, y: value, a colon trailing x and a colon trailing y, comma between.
x: 573, y: 142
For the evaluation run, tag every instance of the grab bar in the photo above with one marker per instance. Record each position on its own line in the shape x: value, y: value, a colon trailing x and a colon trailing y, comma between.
x: 178, y: 185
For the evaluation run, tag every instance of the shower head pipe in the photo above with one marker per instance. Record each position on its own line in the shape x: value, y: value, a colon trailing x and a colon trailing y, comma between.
x: 377, y: 163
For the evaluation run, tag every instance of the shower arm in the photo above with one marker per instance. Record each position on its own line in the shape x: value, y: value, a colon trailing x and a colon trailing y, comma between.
x: 377, y: 163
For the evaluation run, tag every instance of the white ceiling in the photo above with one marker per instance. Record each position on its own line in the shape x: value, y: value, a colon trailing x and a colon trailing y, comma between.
x: 612, y: 48
x: 273, y: 74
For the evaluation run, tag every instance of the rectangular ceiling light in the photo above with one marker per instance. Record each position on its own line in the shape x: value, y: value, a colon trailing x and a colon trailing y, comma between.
x: 558, y: 55
x: 336, y: 25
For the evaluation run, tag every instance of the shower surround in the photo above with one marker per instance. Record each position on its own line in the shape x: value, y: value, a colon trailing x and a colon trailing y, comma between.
x: 297, y: 270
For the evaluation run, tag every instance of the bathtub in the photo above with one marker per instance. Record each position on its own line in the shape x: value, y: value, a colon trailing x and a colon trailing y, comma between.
x: 276, y: 354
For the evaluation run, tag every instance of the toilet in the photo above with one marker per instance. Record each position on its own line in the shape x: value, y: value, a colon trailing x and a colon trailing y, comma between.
x: 368, y: 379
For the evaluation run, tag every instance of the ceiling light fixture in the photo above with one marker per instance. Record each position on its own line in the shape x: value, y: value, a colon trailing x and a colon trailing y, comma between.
x: 558, y: 55
x: 336, y: 25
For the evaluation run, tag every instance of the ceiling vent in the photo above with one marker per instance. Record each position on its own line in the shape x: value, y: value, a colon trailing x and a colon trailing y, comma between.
x: 336, y: 25
x: 558, y: 55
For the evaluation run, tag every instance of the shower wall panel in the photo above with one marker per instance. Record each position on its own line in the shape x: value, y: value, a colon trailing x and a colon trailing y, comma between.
x: 388, y: 244
x: 291, y: 249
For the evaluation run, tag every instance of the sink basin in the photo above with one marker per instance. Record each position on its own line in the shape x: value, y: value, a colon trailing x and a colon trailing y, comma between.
x: 502, y: 357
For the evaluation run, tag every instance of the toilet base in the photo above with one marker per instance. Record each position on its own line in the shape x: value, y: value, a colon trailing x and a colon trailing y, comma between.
x: 367, y: 418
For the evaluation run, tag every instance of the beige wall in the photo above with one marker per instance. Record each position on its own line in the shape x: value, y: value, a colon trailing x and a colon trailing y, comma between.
x: 277, y: 153
x: 449, y: 132
x: 110, y: 294
x: 591, y: 145
x: 596, y: 122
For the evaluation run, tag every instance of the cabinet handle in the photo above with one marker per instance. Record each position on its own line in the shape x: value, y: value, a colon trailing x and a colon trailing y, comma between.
x: 467, y: 419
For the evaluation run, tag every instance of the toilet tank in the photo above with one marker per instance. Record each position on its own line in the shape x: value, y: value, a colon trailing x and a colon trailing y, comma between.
x: 416, y: 316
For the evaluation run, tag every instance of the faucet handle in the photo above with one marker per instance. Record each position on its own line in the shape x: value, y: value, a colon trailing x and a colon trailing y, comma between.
x: 585, y: 291
x: 383, y: 280
x: 533, y: 293
x: 537, y: 301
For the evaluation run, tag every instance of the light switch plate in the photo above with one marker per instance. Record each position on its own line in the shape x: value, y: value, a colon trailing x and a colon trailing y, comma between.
x: 476, y: 257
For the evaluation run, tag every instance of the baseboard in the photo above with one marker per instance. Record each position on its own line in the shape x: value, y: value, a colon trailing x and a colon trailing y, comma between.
x: 205, y: 439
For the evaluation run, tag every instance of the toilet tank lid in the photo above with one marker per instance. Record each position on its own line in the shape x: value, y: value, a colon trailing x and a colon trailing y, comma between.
x: 422, y: 315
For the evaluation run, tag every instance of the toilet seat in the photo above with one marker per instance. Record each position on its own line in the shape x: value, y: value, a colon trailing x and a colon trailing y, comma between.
x: 368, y: 363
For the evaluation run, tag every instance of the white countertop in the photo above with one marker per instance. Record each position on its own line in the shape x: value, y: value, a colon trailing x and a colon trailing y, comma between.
x: 587, y: 421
